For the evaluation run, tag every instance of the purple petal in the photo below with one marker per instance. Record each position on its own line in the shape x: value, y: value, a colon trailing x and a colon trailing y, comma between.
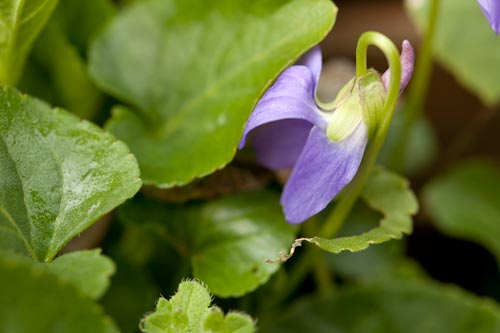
x: 291, y: 97
x: 324, y: 168
x: 407, y: 61
x: 314, y: 61
x: 278, y: 144
x: 491, y: 9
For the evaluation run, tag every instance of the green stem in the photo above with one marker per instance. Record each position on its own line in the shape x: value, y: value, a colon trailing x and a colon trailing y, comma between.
x: 417, y: 92
x: 350, y: 194
x: 322, y: 274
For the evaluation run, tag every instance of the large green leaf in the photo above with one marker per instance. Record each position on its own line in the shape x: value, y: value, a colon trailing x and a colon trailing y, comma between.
x: 34, y: 300
x: 189, y: 311
x: 20, y: 22
x: 392, y: 308
x: 192, y: 71
x: 389, y: 194
x: 88, y: 270
x: 228, y: 240
x: 465, y: 44
x: 465, y: 203
x: 58, y: 175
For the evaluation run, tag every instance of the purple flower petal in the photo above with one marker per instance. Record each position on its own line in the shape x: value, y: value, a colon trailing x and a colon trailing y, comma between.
x: 491, y: 9
x: 291, y: 97
x: 407, y: 61
x: 323, y: 169
x: 314, y: 61
x: 278, y: 144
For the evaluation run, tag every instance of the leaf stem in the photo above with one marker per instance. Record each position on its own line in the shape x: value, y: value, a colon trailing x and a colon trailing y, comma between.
x: 417, y: 92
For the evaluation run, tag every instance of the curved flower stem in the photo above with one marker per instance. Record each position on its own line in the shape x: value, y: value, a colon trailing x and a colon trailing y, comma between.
x: 417, y: 92
x: 353, y: 190
x: 351, y: 193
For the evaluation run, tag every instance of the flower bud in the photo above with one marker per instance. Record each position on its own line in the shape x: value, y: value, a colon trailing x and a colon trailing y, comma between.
x: 361, y: 100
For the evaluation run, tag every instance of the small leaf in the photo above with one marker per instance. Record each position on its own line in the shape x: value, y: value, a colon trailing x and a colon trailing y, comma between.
x: 465, y: 203
x: 233, y: 322
x: 193, y: 299
x: 20, y: 23
x: 58, y: 175
x: 88, y: 270
x: 192, y: 71
x: 34, y: 300
x: 189, y: 311
x: 228, y: 240
x: 389, y: 194
x: 381, y: 262
x: 470, y: 51
x: 395, y: 307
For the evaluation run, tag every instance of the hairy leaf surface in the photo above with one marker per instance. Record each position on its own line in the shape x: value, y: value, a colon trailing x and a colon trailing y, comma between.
x: 189, y: 311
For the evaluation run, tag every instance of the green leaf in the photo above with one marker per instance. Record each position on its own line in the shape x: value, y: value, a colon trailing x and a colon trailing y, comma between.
x: 465, y: 203
x: 193, y: 70
x: 56, y: 70
x: 66, y: 74
x: 34, y: 300
x: 392, y: 308
x: 389, y: 194
x: 470, y: 51
x: 189, y: 311
x: 20, y: 23
x: 231, y: 323
x: 88, y: 270
x: 228, y: 239
x: 58, y: 175
x: 381, y: 262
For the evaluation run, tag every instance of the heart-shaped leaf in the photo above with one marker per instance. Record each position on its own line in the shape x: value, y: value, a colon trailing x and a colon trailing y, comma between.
x: 58, y: 175
x: 193, y: 70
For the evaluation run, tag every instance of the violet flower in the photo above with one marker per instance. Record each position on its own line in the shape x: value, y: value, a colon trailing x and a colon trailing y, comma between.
x: 324, y: 147
x: 491, y: 9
